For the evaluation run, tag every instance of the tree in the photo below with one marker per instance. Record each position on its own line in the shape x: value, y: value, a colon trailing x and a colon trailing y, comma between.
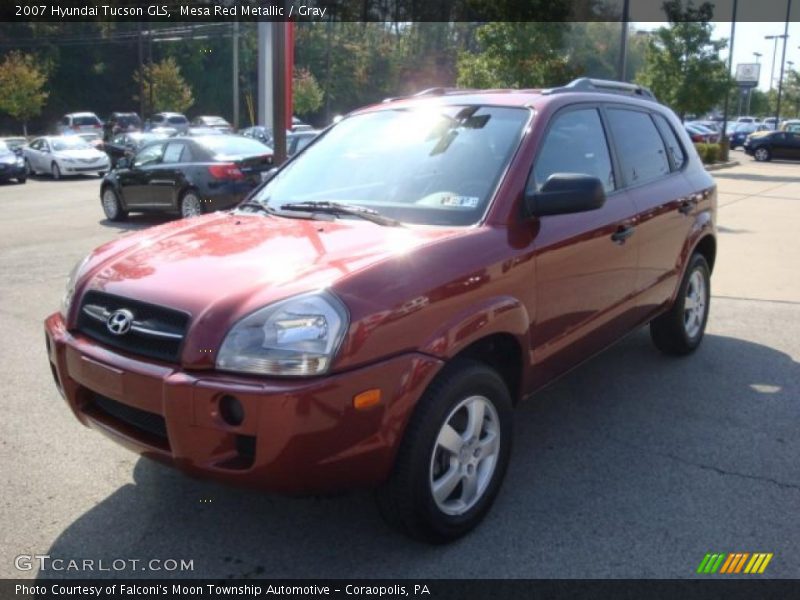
x: 519, y: 55
x: 164, y: 87
x: 682, y: 65
x: 21, y: 83
x: 306, y: 93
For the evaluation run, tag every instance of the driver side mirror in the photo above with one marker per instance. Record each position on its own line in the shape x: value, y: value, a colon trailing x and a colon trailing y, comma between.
x: 566, y: 193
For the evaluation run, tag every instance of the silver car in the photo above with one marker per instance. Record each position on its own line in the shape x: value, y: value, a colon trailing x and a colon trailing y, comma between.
x: 80, y: 122
x: 63, y: 155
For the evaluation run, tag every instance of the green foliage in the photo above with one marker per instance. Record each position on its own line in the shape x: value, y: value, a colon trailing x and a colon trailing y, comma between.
x: 21, y: 83
x: 306, y: 93
x: 163, y: 84
x: 518, y: 55
x: 682, y: 66
x: 593, y: 49
x: 709, y: 153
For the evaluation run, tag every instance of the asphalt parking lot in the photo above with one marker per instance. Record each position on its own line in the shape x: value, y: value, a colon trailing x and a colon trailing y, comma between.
x: 634, y: 465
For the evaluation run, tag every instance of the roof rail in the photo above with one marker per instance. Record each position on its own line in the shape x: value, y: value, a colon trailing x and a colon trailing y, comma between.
x: 586, y: 84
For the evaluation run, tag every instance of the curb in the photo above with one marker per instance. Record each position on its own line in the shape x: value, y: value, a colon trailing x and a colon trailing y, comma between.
x: 725, y: 165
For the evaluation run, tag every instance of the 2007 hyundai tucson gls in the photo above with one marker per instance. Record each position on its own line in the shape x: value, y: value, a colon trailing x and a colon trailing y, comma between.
x: 370, y: 315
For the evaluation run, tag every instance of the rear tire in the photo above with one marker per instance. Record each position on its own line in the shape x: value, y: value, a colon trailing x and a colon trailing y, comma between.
x: 22, y: 179
x: 680, y: 331
x: 112, y: 207
x: 191, y: 205
x: 453, y: 456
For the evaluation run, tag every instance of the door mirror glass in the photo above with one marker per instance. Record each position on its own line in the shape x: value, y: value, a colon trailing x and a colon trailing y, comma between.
x: 565, y: 193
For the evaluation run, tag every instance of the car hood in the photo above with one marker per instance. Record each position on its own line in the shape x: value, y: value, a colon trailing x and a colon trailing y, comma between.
x: 85, y: 154
x: 9, y: 158
x: 760, y: 134
x: 225, y: 265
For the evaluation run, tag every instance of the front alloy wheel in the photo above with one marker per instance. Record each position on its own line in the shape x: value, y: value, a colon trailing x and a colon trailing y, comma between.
x: 112, y: 206
x: 465, y: 455
x: 453, y: 455
x: 762, y: 154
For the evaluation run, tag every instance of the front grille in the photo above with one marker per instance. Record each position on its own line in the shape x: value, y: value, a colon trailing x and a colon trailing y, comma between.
x: 143, y: 422
x: 158, y: 331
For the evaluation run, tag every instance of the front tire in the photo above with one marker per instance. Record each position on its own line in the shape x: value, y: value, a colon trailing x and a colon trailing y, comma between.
x: 453, y: 456
x: 29, y: 169
x: 680, y: 331
x: 22, y: 179
x: 191, y: 205
x: 762, y: 154
x: 112, y: 207
x: 55, y: 171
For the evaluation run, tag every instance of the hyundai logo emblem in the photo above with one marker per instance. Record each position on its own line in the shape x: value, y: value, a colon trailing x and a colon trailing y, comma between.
x: 119, y: 322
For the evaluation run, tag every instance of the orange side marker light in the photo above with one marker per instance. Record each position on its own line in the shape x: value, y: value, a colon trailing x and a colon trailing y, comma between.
x: 367, y: 399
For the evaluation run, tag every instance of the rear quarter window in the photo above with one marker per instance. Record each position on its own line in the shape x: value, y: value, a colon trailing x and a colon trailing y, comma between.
x: 674, y: 147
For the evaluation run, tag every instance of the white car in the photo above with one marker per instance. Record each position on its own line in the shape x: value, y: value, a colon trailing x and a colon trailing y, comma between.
x: 80, y: 122
x: 63, y: 155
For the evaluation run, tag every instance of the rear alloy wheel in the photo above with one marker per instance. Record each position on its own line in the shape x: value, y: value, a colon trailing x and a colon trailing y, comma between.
x: 112, y: 207
x: 191, y: 205
x: 762, y: 154
x: 680, y: 331
x: 55, y: 171
x: 453, y: 456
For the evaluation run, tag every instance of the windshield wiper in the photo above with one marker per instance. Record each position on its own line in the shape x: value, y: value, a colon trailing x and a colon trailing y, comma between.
x: 262, y: 207
x: 335, y: 208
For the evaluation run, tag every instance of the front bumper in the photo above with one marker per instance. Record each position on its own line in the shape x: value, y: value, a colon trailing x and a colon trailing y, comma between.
x: 297, y: 436
x: 9, y: 171
x: 83, y: 167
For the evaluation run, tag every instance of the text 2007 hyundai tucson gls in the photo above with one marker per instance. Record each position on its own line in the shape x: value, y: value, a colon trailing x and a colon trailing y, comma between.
x: 371, y: 315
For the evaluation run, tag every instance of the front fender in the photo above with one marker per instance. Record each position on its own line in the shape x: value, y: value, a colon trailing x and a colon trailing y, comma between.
x: 500, y: 314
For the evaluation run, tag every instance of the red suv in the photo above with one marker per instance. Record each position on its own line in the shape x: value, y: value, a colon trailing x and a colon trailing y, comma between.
x: 372, y: 313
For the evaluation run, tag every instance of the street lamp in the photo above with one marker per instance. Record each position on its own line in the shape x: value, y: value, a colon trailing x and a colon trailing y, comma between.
x: 757, y: 55
x: 775, y: 39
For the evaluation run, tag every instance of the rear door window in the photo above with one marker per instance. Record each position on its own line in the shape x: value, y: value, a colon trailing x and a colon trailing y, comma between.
x: 641, y: 149
x: 173, y: 153
x: 575, y: 143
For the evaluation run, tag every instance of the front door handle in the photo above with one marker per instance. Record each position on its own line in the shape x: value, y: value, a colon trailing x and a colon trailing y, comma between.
x: 623, y: 233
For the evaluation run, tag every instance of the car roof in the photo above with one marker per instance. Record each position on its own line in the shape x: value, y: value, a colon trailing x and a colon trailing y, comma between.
x: 80, y: 114
x: 579, y: 90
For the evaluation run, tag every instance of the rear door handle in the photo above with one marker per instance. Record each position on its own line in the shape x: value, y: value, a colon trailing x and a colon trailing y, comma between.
x: 623, y: 233
x: 687, y: 206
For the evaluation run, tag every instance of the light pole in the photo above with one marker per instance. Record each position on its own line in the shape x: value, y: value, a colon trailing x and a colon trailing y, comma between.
x: 727, y: 93
x: 785, y: 37
x: 774, y: 39
x: 622, y: 63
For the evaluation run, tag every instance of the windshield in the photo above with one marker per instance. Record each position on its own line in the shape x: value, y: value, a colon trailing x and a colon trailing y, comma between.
x: 70, y: 143
x: 85, y: 120
x: 4, y: 148
x: 745, y: 128
x: 434, y: 166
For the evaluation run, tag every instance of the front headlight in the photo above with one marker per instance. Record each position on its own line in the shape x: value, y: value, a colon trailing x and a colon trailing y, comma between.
x: 294, y: 337
x: 72, y: 280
